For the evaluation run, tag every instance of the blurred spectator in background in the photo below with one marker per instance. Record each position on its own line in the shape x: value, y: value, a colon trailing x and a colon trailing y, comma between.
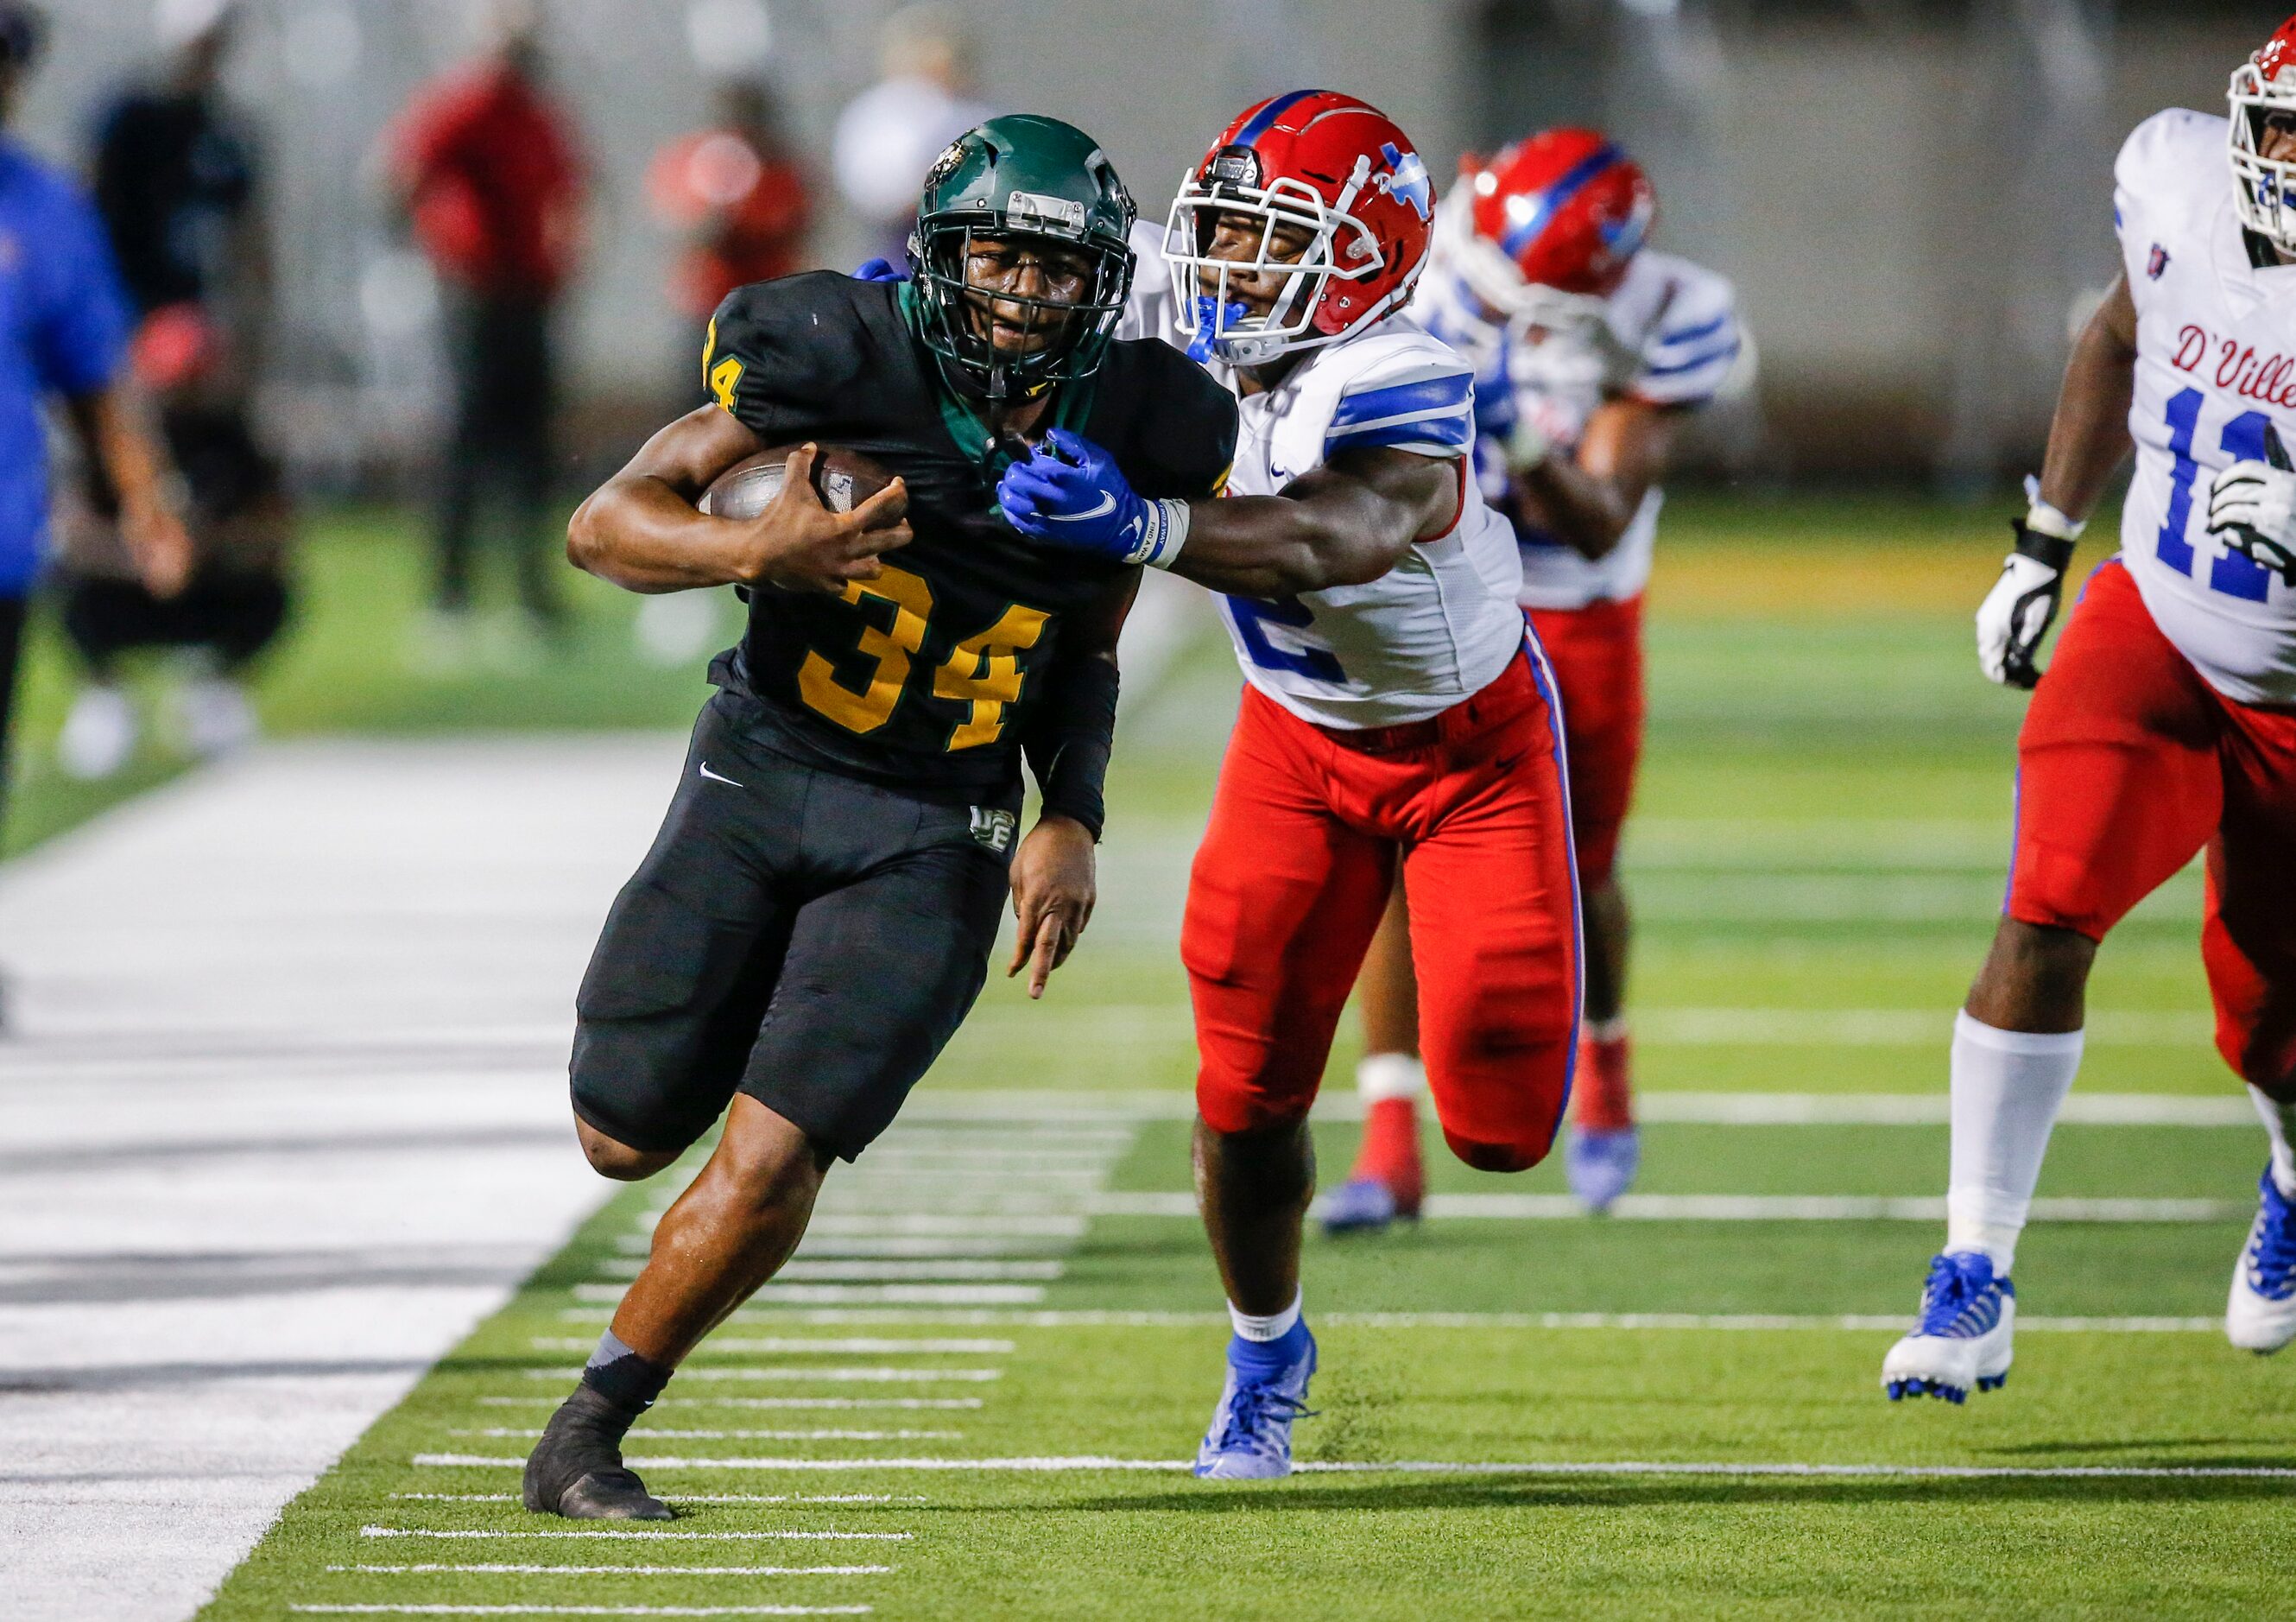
x: 487, y: 168
x: 741, y: 202
x: 177, y: 186
x: 64, y: 333
x: 889, y: 136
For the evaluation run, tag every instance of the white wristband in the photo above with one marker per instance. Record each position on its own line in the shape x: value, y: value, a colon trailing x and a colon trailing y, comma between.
x: 2043, y: 519
x: 1163, y: 531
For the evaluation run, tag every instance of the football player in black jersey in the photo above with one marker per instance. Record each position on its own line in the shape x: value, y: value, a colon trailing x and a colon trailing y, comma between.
x: 815, y: 916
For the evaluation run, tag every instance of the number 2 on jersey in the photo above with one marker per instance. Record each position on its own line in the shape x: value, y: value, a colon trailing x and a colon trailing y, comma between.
x: 2242, y: 440
x: 983, y: 671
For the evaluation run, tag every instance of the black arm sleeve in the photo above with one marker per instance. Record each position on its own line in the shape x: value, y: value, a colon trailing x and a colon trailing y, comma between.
x: 1070, y: 741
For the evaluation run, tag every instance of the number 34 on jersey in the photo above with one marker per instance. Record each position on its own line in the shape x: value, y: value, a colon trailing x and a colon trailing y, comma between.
x: 860, y: 690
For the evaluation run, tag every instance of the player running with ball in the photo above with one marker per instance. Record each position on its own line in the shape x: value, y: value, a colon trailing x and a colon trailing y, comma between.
x: 1588, y: 349
x: 1396, y: 713
x: 2166, y: 724
x: 815, y: 916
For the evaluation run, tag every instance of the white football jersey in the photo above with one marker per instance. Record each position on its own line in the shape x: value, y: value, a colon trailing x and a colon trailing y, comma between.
x: 1438, y: 626
x: 1670, y: 335
x: 2216, y: 361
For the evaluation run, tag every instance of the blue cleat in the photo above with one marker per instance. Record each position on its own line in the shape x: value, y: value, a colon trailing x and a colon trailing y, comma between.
x: 2260, y: 1315
x: 1251, y: 1434
x: 1963, y: 1337
x: 1360, y: 1204
x: 1602, y: 1165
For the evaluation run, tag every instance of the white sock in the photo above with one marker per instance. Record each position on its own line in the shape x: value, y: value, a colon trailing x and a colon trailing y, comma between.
x: 1274, y: 1327
x: 2007, y: 1086
x: 2279, y: 1121
x: 1380, y: 1076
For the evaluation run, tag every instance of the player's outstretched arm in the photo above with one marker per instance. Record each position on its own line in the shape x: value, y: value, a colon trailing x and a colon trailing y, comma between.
x: 2087, y: 438
x: 1344, y: 523
x: 643, y: 530
x: 1587, y: 500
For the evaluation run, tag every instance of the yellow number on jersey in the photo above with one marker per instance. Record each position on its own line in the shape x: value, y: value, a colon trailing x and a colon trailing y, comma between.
x: 984, y: 671
x: 870, y: 709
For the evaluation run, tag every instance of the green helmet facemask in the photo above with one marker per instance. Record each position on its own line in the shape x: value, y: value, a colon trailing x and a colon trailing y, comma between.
x: 1024, y: 182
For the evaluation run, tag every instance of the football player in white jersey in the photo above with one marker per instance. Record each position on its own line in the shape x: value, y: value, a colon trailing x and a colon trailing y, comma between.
x: 1587, y: 349
x: 2166, y: 724
x: 1396, y: 713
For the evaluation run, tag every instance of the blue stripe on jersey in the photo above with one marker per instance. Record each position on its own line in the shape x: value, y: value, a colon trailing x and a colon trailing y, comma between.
x: 1728, y: 352
x: 1450, y: 391
x: 1265, y: 118
x: 1693, y: 334
x: 1450, y: 432
x: 1545, y: 204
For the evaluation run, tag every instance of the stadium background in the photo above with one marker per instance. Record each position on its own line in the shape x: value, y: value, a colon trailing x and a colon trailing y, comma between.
x: 286, y: 1099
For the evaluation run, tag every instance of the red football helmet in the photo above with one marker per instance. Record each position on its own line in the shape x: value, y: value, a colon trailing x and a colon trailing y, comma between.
x: 2264, y: 88
x: 1563, y: 213
x: 1328, y: 163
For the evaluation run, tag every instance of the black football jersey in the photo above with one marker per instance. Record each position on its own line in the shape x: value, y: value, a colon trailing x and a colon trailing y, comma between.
x: 923, y: 678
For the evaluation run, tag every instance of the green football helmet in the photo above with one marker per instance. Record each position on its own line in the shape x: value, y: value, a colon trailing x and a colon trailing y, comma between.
x: 1021, y: 178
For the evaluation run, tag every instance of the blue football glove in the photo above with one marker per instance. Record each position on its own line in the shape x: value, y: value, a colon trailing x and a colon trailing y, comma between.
x: 1070, y: 492
x: 882, y: 270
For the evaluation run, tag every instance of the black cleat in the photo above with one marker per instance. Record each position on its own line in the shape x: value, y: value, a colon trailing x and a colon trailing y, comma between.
x: 576, y: 1469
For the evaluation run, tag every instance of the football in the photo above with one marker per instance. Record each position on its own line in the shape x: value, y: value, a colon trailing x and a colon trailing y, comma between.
x: 843, y: 479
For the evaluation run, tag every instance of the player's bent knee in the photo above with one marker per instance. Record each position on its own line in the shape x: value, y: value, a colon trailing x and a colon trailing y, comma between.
x: 610, y: 1157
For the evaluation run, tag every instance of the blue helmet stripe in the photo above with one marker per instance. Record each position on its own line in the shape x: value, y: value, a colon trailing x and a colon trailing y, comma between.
x: 1551, y: 202
x: 1265, y: 118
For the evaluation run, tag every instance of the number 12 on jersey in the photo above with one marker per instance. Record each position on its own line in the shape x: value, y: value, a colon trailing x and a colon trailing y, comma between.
x: 2242, y: 440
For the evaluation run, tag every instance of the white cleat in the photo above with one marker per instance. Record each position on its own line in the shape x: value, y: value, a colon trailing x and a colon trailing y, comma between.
x: 2262, y: 1315
x: 1961, y: 1342
x: 99, y: 734
x: 216, y: 716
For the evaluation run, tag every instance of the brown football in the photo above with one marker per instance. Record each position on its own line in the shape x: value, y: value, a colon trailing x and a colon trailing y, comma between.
x: 842, y: 478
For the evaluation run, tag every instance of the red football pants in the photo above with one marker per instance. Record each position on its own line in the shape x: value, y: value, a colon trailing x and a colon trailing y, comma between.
x: 1295, y: 870
x: 1596, y: 652
x: 2128, y: 766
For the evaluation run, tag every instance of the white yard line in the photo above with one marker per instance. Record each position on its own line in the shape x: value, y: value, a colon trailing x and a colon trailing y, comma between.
x: 285, y: 1087
x: 861, y: 1271
x: 580, y: 1610
x: 1739, y: 1208
x: 654, y: 1432
x: 1054, y: 1464
x: 840, y: 1402
x: 683, y: 1498
x: 867, y: 1374
x: 889, y: 1295
x: 1122, y: 1318
x: 847, y: 1346
x: 532, y: 1570
x: 639, y: 1535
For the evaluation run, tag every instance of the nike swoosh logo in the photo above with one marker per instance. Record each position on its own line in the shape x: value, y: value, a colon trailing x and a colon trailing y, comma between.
x: 1107, y: 505
x: 716, y: 776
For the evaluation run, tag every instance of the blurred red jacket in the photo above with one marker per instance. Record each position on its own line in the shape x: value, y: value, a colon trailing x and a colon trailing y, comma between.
x: 494, y: 181
x: 746, y: 210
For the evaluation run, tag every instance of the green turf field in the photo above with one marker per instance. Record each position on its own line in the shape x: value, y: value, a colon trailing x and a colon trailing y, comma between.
x: 965, y: 1397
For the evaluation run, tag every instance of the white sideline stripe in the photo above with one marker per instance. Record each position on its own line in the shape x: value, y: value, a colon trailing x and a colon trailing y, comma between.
x: 1089, y: 1319
x: 897, y: 1222
x: 844, y: 1247
x: 1726, y: 1027
x: 897, y: 1376
x: 719, y: 1537
x: 913, y: 1295
x: 850, y: 1344
x: 685, y: 1498
x: 1739, y: 1208
x: 951, y: 1270
x: 910, y: 1403
x: 501, y: 1432
x: 627, y: 1570
x: 1439, y: 1467
x: 580, y: 1610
